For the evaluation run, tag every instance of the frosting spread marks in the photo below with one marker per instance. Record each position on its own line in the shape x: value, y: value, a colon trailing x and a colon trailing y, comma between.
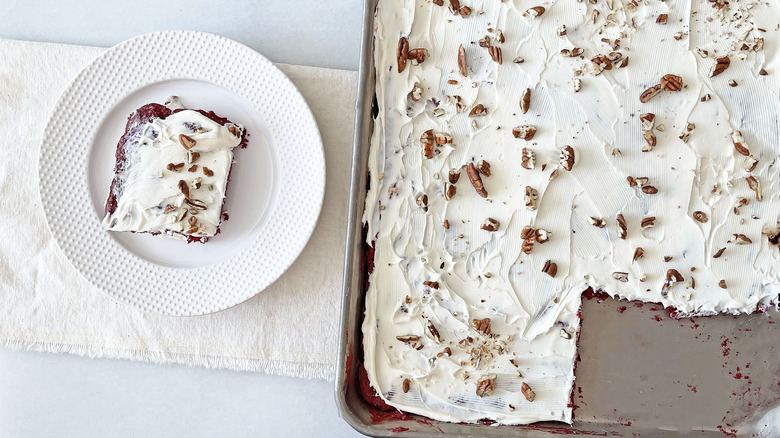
x: 523, y: 152
x: 171, y: 173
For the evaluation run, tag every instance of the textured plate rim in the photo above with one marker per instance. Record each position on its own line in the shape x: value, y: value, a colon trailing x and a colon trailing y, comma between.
x: 212, y: 288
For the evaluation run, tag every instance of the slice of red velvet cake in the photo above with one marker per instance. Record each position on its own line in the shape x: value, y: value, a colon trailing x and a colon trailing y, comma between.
x: 172, y: 169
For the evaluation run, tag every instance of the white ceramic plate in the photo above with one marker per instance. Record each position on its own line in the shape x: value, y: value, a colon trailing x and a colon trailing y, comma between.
x: 273, y: 199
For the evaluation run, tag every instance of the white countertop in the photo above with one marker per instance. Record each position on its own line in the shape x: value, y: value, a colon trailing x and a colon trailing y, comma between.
x: 63, y: 395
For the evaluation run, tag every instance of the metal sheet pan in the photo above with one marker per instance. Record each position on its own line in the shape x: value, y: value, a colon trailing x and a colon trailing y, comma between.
x: 639, y: 372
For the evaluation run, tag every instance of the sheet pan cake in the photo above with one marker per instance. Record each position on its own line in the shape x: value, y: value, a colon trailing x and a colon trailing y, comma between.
x: 524, y: 152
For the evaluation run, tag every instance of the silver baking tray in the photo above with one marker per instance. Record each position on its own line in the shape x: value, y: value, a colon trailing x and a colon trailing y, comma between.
x: 639, y: 371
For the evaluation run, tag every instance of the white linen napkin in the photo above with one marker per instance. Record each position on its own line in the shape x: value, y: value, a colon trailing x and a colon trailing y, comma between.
x: 45, y: 305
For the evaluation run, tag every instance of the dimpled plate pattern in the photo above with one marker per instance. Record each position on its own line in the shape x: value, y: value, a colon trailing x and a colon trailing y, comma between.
x: 259, y: 257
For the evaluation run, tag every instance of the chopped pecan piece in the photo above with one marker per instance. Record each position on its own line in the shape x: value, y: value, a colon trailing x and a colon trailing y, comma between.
x: 495, y: 54
x: 529, y: 393
x: 479, y: 110
x: 454, y: 175
x: 755, y: 186
x: 541, y: 236
x: 525, y: 100
x: 462, y: 61
x: 528, y: 234
x: 687, y: 133
x: 459, y: 105
x: 622, y: 227
x: 195, y: 203
x: 721, y: 64
x: 550, y: 268
x: 483, y: 167
x: 528, y: 245
x: 534, y: 12
x: 449, y: 191
x: 638, y: 253
x: 490, y: 224
x: 442, y: 138
x: 674, y: 276
x: 750, y: 163
x: 700, y: 216
x: 671, y: 83
x: 620, y: 276
x: 567, y: 157
x: 433, y: 333
x: 739, y: 143
x: 446, y: 352
x: 476, y: 180
x: 601, y: 63
x: 648, y: 122
x: 427, y: 139
x: 486, y: 384
x: 482, y: 325
x: 234, y: 131
x: 530, y: 197
x: 526, y: 132
x: 422, y: 202
x: 528, y: 159
x: 739, y: 239
x: 186, y: 141
x: 650, y: 93
x: 417, y: 91
x: 417, y: 56
x: 402, y: 54
x: 184, y: 189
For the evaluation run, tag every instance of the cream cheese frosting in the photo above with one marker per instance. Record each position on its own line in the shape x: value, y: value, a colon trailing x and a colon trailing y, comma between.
x: 175, y: 174
x: 669, y: 199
